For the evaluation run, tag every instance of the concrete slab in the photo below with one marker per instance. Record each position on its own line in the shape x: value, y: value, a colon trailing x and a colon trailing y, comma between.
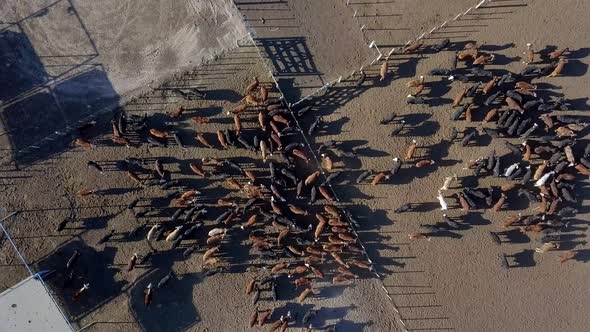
x: 27, y: 306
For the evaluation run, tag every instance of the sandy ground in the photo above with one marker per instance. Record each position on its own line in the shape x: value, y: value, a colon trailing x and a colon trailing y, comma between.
x: 453, y: 282
x: 135, y: 42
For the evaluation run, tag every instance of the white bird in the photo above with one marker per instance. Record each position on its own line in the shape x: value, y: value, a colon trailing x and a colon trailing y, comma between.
x: 441, y: 199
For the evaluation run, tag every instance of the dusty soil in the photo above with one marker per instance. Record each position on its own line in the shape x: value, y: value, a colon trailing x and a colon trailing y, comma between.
x: 455, y: 281
x: 136, y: 42
x: 452, y: 282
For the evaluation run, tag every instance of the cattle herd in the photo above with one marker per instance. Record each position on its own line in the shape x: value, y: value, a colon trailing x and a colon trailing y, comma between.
x: 288, y: 214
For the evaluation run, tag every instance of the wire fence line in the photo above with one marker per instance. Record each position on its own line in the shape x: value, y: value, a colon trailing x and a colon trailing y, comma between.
x: 373, y: 44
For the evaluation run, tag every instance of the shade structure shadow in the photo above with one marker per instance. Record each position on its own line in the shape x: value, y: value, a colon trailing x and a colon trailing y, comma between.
x: 69, y: 86
x: 173, y: 301
x: 88, y: 269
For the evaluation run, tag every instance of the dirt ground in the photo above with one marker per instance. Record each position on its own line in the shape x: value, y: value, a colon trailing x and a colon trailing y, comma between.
x: 136, y: 42
x: 452, y: 282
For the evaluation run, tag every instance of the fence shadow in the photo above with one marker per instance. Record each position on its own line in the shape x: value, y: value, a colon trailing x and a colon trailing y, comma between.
x: 289, y: 56
x: 66, y: 83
